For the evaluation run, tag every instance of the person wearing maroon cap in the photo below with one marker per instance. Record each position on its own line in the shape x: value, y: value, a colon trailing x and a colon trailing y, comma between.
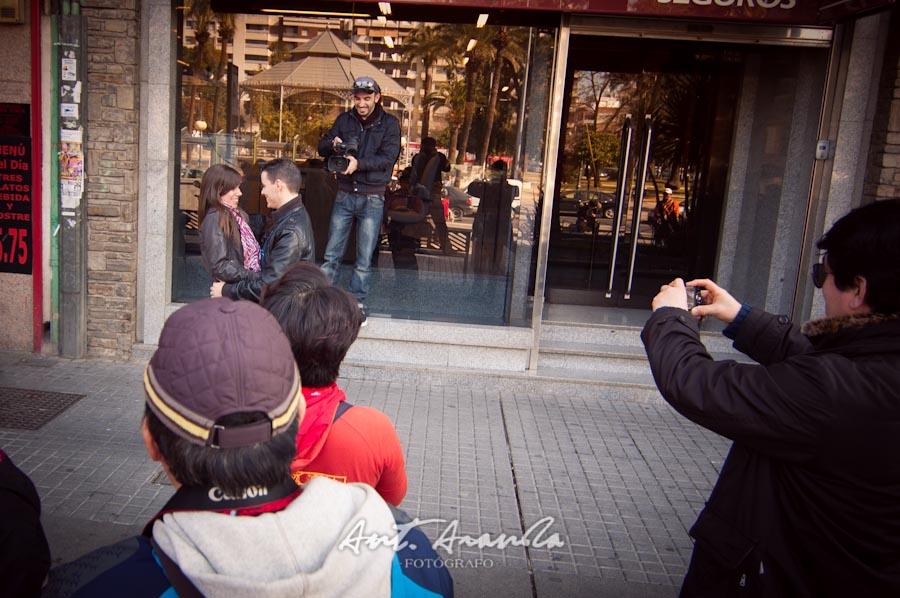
x: 223, y: 404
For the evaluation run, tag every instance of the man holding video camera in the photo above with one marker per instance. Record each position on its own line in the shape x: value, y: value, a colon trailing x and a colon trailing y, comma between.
x: 361, y: 148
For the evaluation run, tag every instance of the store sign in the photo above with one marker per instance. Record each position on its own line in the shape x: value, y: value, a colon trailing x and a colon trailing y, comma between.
x: 15, y: 189
x: 768, y: 11
x: 800, y: 12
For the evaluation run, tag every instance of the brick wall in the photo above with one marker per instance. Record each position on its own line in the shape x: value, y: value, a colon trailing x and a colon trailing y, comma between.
x: 883, y: 176
x: 112, y: 174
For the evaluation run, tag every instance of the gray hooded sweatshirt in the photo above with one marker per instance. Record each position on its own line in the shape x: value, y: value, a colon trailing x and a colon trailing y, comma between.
x: 307, y: 549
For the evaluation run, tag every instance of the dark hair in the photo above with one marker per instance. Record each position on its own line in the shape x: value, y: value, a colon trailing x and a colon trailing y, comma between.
x: 232, y: 470
x: 499, y: 165
x: 285, y: 170
x: 866, y: 242
x: 321, y: 321
x: 218, y: 180
x: 429, y: 143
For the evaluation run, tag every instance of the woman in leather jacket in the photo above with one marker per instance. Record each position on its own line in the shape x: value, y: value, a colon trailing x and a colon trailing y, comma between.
x: 228, y: 247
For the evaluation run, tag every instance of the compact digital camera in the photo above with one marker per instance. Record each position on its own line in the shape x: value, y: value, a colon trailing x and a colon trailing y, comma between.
x: 338, y: 161
x: 693, y: 296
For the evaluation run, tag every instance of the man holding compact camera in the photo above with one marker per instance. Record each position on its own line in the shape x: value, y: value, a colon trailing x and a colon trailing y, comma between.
x: 361, y: 148
x: 807, y: 503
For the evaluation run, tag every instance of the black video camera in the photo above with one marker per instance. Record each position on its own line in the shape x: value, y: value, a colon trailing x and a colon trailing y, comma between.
x: 338, y: 161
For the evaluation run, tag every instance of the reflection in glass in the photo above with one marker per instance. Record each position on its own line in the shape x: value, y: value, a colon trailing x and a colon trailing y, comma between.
x: 641, y: 118
x: 268, y: 86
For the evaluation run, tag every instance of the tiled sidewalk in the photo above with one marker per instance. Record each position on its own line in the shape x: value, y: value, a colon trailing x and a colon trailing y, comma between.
x: 621, y: 475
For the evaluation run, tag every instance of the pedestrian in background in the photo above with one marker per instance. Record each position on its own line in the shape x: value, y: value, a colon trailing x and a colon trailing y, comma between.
x: 427, y: 182
x: 807, y: 503
x: 492, y: 225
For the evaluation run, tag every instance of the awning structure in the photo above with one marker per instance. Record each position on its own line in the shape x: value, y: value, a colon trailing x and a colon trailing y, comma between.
x: 326, y: 63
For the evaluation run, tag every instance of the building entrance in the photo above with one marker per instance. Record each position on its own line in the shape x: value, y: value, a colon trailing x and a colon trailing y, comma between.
x: 642, y: 169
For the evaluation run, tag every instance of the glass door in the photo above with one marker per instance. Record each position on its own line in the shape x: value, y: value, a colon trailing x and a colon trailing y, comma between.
x: 646, y: 137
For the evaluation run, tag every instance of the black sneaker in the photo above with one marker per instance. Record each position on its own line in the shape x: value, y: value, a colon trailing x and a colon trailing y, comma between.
x: 365, y: 315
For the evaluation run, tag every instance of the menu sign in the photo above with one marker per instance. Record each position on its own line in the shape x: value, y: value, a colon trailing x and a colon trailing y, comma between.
x: 15, y: 189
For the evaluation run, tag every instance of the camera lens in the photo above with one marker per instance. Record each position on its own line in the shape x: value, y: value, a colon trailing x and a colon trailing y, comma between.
x: 693, y: 297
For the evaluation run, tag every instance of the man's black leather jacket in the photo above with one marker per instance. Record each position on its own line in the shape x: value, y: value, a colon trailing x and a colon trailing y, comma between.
x: 289, y: 239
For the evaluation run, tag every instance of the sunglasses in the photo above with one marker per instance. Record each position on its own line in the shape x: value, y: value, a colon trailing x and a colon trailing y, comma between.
x: 364, y: 85
x: 819, y: 273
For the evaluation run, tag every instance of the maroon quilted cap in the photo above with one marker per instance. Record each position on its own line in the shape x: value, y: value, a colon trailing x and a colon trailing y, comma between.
x: 219, y: 357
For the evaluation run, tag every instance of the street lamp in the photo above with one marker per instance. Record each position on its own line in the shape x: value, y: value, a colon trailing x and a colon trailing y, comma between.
x: 200, y: 124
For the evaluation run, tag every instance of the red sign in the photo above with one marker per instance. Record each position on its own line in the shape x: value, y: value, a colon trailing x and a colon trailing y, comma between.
x: 15, y: 205
x: 768, y: 11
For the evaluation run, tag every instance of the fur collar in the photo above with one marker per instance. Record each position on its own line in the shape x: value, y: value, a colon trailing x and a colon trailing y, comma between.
x: 826, y: 326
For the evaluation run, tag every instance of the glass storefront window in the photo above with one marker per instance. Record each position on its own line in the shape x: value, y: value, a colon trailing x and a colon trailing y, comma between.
x: 485, y: 103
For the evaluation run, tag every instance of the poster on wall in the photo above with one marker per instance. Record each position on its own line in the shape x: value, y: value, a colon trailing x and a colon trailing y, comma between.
x: 15, y: 189
x: 71, y: 170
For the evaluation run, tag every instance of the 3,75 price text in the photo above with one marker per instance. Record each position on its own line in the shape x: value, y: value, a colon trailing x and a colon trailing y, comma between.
x: 13, y: 245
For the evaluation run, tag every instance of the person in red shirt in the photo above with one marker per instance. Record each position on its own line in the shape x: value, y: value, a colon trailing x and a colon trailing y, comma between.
x: 349, y: 443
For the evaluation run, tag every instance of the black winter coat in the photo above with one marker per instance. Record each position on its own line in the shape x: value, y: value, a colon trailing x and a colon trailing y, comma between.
x: 289, y: 239
x: 24, y: 552
x: 808, y: 501
x: 379, y: 148
x: 222, y: 257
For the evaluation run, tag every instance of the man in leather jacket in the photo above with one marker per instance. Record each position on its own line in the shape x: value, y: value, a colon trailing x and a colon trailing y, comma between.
x: 289, y: 238
x: 807, y: 503
x: 375, y: 134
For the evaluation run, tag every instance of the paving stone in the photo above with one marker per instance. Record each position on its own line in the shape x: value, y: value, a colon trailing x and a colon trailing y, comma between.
x: 622, y: 480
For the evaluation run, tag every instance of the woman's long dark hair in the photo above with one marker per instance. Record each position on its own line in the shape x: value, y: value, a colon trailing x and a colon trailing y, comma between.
x: 218, y: 180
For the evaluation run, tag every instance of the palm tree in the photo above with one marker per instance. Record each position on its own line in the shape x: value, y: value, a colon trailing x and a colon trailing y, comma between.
x: 477, y: 58
x: 508, y: 51
x: 201, y: 13
x: 451, y: 95
x: 427, y: 45
x: 280, y: 50
x: 226, y: 36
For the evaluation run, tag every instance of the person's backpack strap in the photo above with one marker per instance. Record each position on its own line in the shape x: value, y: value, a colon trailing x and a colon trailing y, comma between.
x: 183, y: 586
x: 341, y: 410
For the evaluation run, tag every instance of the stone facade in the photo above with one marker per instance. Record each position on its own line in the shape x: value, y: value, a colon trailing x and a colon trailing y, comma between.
x: 112, y: 163
x: 115, y: 165
x: 883, y: 177
x: 16, y: 300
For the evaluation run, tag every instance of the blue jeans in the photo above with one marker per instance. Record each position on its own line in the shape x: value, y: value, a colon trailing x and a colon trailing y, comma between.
x: 368, y: 210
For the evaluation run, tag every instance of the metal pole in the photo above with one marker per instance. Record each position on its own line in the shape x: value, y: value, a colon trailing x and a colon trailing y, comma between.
x: 621, y: 192
x: 517, y: 168
x: 551, y: 150
x: 639, y: 190
x: 72, y: 34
